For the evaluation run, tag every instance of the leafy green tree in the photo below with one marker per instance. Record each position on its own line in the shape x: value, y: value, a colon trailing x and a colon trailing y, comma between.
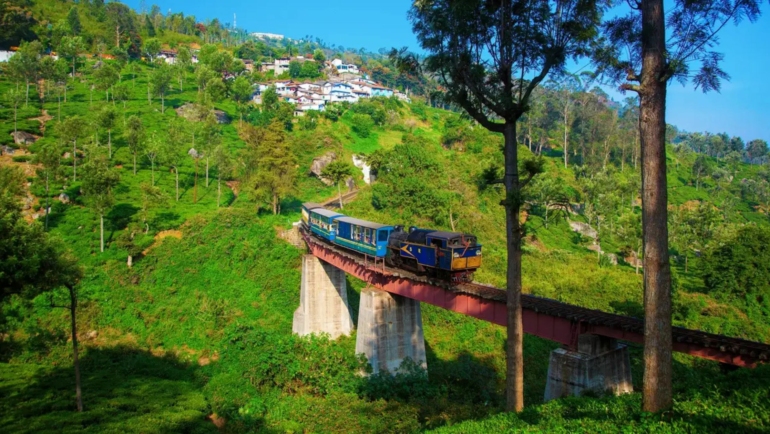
x: 629, y: 231
x: 241, y: 91
x: 120, y: 93
x: 160, y: 82
x: 106, y: 77
x: 151, y: 196
x: 700, y: 168
x: 13, y: 98
x: 12, y: 182
x: 270, y: 164
x: 73, y: 19
x: 25, y: 64
x: 73, y: 128
x: 106, y: 118
x: 481, y: 52
x: 203, y: 76
x: 215, y: 90
x: 338, y: 171
x: 49, y: 160
x: 362, y: 124
x: 319, y: 56
x: 739, y: 269
x: 551, y: 195
x: 33, y: 263
x: 757, y: 149
x: 134, y: 133
x: 270, y: 99
x: 151, y: 48
x: 71, y: 47
x: 295, y: 69
x: 210, y: 138
x: 174, y: 150
x: 225, y: 165
x: 153, y: 150
x: 99, y: 179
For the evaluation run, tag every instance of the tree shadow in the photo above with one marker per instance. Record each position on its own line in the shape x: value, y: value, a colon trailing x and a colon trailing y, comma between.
x: 291, y: 204
x: 628, y: 308
x: 124, y: 389
x: 165, y: 220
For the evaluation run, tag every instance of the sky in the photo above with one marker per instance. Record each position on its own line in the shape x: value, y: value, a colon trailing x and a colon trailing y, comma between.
x: 742, y: 107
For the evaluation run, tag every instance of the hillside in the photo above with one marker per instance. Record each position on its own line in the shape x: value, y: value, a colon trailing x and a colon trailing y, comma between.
x: 196, y: 336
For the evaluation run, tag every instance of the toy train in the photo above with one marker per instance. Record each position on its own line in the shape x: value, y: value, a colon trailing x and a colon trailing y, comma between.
x: 449, y: 256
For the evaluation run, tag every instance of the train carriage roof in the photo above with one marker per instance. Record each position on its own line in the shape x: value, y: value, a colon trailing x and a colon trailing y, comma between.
x: 325, y: 212
x: 447, y: 235
x: 311, y: 205
x: 362, y: 223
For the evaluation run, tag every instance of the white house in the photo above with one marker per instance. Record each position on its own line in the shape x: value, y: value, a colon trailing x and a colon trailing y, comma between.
x: 6, y: 55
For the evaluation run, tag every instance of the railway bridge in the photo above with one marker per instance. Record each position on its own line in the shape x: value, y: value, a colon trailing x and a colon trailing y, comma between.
x: 593, y: 353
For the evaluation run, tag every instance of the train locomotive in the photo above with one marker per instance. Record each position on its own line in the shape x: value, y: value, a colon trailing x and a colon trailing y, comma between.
x: 449, y: 256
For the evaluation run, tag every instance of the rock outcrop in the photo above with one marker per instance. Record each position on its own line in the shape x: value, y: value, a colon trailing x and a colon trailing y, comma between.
x: 320, y: 163
x: 23, y: 138
x: 365, y: 169
x: 198, y: 113
x: 583, y: 229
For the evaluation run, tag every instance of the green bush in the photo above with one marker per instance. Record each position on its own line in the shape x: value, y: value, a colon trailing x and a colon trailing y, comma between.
x: 362, y: 124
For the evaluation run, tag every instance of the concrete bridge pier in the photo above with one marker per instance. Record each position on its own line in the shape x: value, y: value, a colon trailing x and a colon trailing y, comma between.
x: 600, y: 364
x: 389, y: 330
x: 323, y: 300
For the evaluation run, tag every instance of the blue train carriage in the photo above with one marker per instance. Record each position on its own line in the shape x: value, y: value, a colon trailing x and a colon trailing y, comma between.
x: 362, y: 236
x: 445, y: 254
x: 306, y: 207
x: 321, y: 222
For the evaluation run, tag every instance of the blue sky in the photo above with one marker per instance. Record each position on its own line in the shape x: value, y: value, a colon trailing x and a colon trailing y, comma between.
x: 742, y: 108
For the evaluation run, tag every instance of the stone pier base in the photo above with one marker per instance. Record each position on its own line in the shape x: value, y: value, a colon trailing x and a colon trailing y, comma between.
x: 389, y: 330
x: 600, y: 365
x: 323, y: 300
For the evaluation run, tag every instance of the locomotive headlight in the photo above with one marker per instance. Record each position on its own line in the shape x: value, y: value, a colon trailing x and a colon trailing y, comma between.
x: 478, y: 252
x: 455, y: 255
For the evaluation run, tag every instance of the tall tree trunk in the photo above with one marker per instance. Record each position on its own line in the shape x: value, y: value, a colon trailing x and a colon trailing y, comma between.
x: 134, y: 163
x: 48, y: 203
x: 75, y: 361
x: 109, y: 141
x: 101, y: 232
x: 152, y: 170
x: 195, y: 184
x: 514, y: 349
x: 15, y: 116
x: 26, y: 95
x: 275, y: 204
x: 74, y: 160
x: 176, y: 174
x: 657, y: 394
x: 59, y: 110
x: 162, y: 103
x: 566, y: 155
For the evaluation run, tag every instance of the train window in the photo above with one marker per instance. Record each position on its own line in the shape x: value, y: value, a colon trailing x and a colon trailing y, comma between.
x: 368, y: 236
x: 356, y: 233
x: 383, y: 236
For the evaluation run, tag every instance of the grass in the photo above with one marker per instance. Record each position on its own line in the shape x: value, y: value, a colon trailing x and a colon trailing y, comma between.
x: 202, y: 324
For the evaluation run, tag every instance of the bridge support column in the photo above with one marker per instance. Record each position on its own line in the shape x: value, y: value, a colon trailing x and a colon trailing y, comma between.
x: 389, y: 330
x: 323, y: 300
x: 600, y: 364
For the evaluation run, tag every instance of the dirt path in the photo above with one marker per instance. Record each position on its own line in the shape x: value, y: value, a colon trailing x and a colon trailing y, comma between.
x: 163, y: 234
x: 43, y: 118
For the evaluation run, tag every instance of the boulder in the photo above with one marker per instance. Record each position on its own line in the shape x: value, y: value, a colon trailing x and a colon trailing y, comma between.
x: 23, y: 138
x: 221, y: 116
x: 64, y: 198
x: 197, y: 113
x: 365, y: 169
x: 612, y: 258
x: 583, y: 229
x: 350, y: 183
x: 320, y: 163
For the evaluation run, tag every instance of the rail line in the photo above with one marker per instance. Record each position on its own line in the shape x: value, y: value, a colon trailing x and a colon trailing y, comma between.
x: 550, y: 319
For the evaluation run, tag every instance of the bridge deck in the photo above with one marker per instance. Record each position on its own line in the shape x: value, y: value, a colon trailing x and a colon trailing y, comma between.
x: 546, y: 318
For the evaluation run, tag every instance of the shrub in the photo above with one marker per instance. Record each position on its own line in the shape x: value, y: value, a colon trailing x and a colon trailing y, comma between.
x: 362, y: 124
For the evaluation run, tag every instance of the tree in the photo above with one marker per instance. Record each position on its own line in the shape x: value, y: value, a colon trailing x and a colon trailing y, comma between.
x: 160, y: 81
x: 481, y: 54
x: 73, y: 19
x: 153, y: 150
x: 295, y: 69
x: 49, y: 160
x: 174, y: 150
x: 71, y: 130
x: 270, y: 164
x: 71, y: 47
x: 210, y: 137
x: 362, y: 124
x: 549, y: 192
x: 33, y: 263
x: 25, y: 65
x: 215, y: 90
x: 638, y: 54
x: 14, y: 99
x: 630, y: 233
x: 134, y: 134
x: 740, y: 268
x: 151, y: 196
x: 224, y: 163
x: 12, y: 182
x: 151, y: 48
x: 98, y: 181
x: 700, y: 168
x: 107, y: 118
x: 106, y: 77
x: 120, y: 93
x: 338, y: 171
x: 756, y: 149
x: 241, y: 91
